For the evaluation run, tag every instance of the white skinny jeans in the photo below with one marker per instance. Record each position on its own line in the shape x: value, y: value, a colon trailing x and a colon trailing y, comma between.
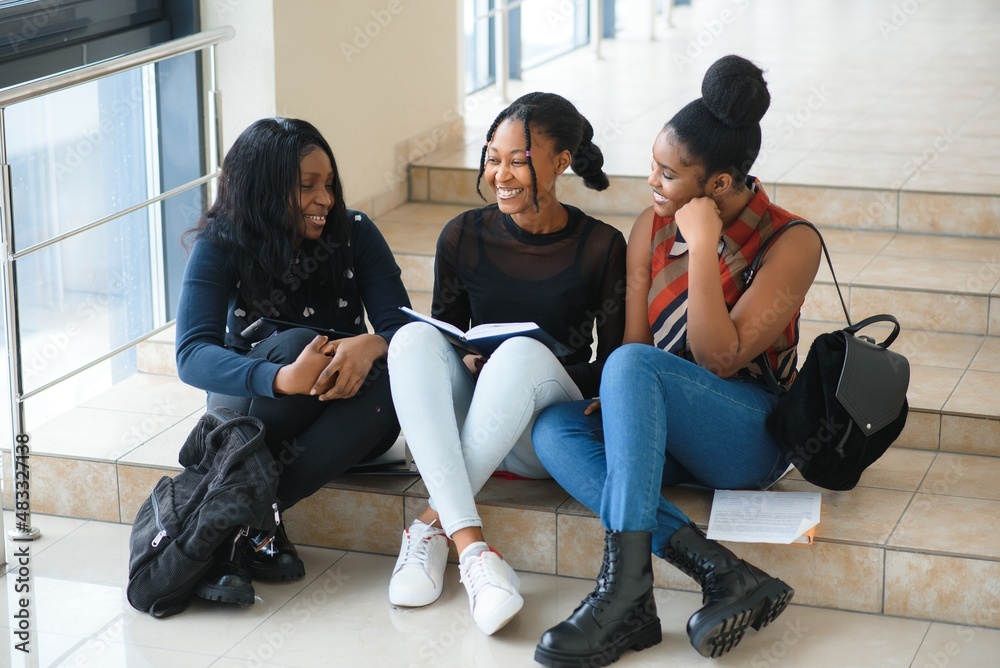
x: 461, y: 430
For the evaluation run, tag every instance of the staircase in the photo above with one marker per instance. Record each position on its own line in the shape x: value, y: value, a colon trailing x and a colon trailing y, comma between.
x: 914, y: 538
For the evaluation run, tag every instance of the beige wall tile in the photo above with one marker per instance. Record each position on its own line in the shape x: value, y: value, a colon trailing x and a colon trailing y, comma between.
x: 961, y: 276
x: 994, y: 316
x: 418, y: 271
x: 941, y: 247
x: 836, y: 168
x: 926, y: 586
x: 581, y: 546
x: 525, y: 538
x: 899, y: 468
x: 456, y: 185
x: 861, y: 515
x: 861, y: 242
x: 835, y: 575
x: 933, y: 348
x: 988, y: 357
x: 149, y: 393
x: 972, y: 435
x: 963, y: 215
x: 528, y: 494
x: 391, y: 198
x: 962, y: 314
x: 626, y: 196
x: 976, y: 394
x: 162, y: 450
x: 847, y: 266
x: 958, y: 647
x: 944, y: 178
x: 855, y: 208
x: 931, y: 386
x: 135, y: 483
x: 822, y: 303
x: 963, y: 475
x: 929, y: 524
x: 97, y: 433
x: 419, y: 184
x: 360, y: 521
x: 156, y: 357
x: 922, y: 430
x: 74, y: 488
x: 421, y: 301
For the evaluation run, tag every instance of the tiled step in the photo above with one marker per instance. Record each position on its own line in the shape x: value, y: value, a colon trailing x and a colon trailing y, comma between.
x: 451, y: 180
x: 908, y: 541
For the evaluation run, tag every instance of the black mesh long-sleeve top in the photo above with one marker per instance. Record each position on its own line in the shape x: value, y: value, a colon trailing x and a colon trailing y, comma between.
x: 488, y: 270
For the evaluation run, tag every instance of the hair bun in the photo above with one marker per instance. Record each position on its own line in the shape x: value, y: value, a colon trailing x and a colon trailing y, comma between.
x: 735, y: 92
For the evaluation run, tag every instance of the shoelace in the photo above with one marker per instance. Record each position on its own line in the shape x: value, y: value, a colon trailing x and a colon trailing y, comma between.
x: 478, y: 576
x: 418, y: 546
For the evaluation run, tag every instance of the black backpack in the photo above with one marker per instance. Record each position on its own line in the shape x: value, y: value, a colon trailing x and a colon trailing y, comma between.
x: 229, y: 481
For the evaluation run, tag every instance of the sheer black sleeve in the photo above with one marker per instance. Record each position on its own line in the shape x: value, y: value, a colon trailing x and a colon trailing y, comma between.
x: 609, y: 315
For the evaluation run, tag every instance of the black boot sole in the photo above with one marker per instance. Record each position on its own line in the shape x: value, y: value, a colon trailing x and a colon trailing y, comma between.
x: 293, y: 572
x: 642, y: 638
x: 723, y: 629
x: 211, y: 592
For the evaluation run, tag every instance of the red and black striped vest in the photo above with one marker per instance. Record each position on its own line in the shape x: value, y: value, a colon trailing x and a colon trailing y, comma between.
x: 668, y: 290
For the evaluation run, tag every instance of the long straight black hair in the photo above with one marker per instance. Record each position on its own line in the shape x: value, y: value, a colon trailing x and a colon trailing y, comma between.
x: 256, y: 216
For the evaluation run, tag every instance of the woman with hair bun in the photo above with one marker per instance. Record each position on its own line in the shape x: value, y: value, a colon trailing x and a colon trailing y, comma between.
x: 528, y: 257
x: 683, y: 401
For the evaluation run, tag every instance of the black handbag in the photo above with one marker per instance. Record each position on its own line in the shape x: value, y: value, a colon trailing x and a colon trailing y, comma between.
x: 848, y: 401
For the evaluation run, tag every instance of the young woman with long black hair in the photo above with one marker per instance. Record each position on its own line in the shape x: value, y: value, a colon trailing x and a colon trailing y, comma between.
x: 279, y: 242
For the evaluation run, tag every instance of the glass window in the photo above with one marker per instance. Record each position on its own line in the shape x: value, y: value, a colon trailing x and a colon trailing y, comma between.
x: 80, y: 155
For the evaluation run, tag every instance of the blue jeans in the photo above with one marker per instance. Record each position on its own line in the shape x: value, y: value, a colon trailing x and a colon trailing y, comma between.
x: 663, y: 421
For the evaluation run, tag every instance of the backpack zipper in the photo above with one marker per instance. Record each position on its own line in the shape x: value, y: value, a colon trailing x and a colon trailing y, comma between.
x: 159, y: 525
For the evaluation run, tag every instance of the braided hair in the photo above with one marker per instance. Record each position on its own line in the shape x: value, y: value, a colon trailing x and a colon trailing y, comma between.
x: 554, y: 117
x: 721, y: 129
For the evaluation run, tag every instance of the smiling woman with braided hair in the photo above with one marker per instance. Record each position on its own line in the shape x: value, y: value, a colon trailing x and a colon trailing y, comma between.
x: 528, y: 257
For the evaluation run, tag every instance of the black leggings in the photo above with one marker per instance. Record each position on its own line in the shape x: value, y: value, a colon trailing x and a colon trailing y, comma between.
x: 314, y: 441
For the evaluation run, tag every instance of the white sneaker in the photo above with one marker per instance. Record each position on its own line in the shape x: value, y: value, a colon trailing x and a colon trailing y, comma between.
x: 492, y: 587
x: 418, y: 577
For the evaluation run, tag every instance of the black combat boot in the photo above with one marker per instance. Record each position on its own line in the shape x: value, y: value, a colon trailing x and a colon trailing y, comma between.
x: 735, y: 594
x: 619, y: 614
x: 273, y: 557
x: 228, y: 581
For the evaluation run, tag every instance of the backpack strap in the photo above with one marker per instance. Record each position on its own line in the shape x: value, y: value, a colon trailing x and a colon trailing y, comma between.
x: 750, y: 274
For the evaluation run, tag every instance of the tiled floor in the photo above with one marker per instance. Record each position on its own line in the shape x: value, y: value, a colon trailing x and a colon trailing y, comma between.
x: 864, y: 94
x: 339, y: 613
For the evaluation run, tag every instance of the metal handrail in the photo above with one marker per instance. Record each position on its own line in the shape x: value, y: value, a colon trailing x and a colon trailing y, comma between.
x: 99, y: 70
x: 202, y: 180
x: 33, y: 89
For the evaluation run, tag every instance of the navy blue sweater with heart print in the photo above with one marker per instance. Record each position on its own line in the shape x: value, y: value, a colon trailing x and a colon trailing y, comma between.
x: 211, y: 354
